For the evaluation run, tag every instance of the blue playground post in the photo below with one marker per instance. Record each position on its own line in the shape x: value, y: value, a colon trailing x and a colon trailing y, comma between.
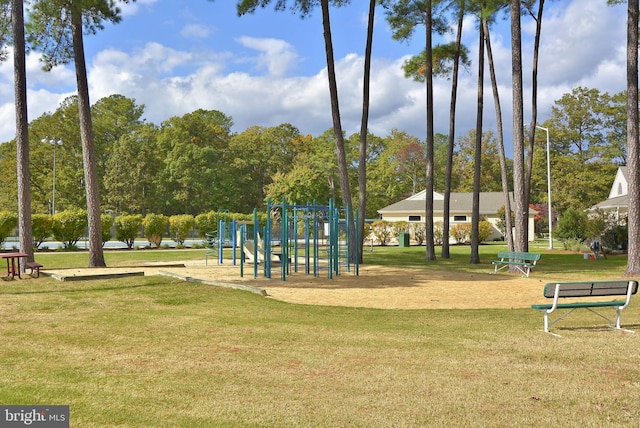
x: 305, y: 222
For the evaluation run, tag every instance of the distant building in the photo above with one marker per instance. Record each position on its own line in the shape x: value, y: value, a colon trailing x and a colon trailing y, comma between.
x: 460, y: 210
x: 617, y: 205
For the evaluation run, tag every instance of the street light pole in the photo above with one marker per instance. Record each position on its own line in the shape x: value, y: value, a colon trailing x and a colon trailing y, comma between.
x: 548, y: 187
x: 55, y: 143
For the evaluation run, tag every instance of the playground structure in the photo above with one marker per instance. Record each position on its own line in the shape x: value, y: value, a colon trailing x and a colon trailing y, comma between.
x: 294, y: 238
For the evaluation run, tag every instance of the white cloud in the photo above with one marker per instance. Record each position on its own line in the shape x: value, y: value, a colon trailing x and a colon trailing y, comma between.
x: 132, y: 8
x: 196, y: 31
x: 277, y: 56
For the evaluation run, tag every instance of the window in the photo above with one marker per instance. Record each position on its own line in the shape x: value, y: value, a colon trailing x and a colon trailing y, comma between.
x: 459, y: 218
x: 415, y: 218
x: 619, y: 188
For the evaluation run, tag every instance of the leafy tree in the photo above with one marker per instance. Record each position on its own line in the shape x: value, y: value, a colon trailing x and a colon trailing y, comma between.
x: 465, y: 158
x: 615, y: 118
x: 579, y: 124
x: 62, y: 125
x: 114, y: 117
x: 411, y: 163
x: 195, y: 173
x: 257, y: 155
x: 57, y: 28
x: 581, y: 186
x: 313, y: 176
x: 128, y: 228
x: 135, y: 190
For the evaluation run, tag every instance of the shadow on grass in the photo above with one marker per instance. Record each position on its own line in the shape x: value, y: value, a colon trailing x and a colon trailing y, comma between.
x: 96, y: 286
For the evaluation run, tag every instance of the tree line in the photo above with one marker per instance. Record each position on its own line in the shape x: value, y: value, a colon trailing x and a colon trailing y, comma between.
x: 194, y: 163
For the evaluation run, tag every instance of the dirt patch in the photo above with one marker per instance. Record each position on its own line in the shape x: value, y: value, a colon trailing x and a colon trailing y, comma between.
x: 375, y: 287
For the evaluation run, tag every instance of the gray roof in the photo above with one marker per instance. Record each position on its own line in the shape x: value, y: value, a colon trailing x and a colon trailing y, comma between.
x: 490, y: 202
x: 617, y: 202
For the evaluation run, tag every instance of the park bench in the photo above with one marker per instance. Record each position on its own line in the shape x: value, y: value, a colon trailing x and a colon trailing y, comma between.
x: 34, y: 266
x: 524, y: 262
x: 579, y: 291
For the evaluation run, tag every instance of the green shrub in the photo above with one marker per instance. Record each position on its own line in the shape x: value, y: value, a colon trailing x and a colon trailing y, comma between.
x: 207, y: 222
x: 382, y: 230
x: 8, y: 222
x: 154, y: 227
x: 485, y: 230
x: 107, y: 221
x: 180, y: 226
x: 438, y: 232
x: 40, y: 228
x: 461, y: 232
x: 572, y: 225
x: 68, y: 227
x: 420, y: 232
x: 400, y: 227
x: 127, y: 228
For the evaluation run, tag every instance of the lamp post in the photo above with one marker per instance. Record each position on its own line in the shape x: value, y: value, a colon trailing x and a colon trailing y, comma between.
x: 55, y: 143
x: 548, y: 187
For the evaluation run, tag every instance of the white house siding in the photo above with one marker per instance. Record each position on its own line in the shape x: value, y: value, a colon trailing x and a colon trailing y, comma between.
x: 412, y: 210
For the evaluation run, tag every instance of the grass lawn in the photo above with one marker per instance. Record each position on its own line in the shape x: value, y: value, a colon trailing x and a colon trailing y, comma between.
x: 156, y: 352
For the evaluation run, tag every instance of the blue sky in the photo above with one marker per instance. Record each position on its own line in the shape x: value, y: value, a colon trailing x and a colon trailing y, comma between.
x: 269, y: 68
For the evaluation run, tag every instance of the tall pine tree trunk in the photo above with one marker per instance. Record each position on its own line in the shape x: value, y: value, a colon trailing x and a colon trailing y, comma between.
x: 477, y: 164
x: 25, y: 234
x: 503, y: 158
x: 345, y: 187
x: 451, y: 140
x: 430, y: 252
x: 96, y: 255
x: 364, y: 132
x: 633, y: 165
x: 534, y: 100
x: 520, y: 198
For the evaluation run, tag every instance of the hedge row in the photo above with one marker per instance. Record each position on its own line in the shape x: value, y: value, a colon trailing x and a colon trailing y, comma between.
x: 69, y: 226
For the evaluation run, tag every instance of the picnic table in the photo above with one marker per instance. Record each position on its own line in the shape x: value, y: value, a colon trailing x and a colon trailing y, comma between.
x: 13, y: 263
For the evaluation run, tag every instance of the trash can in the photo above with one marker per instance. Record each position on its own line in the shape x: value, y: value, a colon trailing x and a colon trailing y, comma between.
x: 403, y: 239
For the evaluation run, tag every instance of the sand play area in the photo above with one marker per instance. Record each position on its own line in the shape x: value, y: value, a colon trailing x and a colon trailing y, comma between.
x: 375, y: 287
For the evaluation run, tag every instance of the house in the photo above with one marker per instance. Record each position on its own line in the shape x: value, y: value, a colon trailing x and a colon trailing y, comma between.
x: 460, y: 210
x: 618, y: 202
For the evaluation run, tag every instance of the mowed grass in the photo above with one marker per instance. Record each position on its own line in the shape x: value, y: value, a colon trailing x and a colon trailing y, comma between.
x: 157, y: 352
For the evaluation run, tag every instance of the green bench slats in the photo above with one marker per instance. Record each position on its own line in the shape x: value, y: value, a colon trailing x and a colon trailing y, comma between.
x: 521, y: 260
x: 578, y: 305
x: 586, y: 289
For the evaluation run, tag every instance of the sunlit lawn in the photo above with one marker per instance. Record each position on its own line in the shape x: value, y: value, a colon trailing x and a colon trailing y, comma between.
x: 154, y: 352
